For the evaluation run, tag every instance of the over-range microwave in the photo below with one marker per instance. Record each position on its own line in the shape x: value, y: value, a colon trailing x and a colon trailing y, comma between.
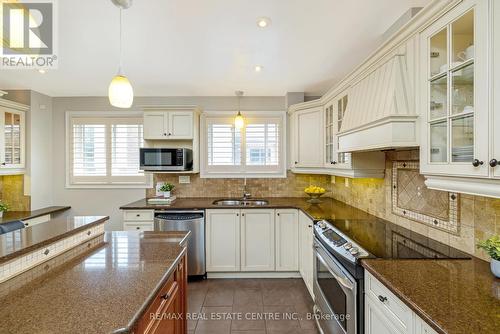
x: 166, y: 159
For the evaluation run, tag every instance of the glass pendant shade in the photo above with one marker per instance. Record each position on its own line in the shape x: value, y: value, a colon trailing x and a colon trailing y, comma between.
x: 120, y: 92
x: 239, y: 121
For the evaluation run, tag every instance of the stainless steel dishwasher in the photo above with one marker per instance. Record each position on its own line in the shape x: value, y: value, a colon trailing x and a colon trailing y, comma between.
x: 193, y: 221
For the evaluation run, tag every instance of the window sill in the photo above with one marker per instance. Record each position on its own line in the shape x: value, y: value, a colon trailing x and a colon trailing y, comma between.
x: 249, y: 175
x: 109, y: 186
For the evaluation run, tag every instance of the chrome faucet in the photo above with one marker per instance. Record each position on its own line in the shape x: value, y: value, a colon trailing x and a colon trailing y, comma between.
x: 246, y: 193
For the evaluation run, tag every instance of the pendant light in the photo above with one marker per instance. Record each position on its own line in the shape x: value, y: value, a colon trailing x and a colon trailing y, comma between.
x: 120, y: 92
x: 239, y: 121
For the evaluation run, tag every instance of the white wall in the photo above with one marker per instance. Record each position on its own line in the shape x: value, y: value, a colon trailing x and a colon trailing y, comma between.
x: 108, y: 201
x: 39, y: 147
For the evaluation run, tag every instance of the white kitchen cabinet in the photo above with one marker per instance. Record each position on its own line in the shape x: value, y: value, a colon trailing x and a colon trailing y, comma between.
x: 495, y: 156
x: 375, y: 320
x: 138, y: 226
x: 334, y: 115
x: 37, y: 220
x: 12, y: 139
x: 308, y: 137
x: 287, y: 240
x: 454, y: 91
x: 306, y: 258
x: 138, y: 220
x: 257, y: 240
x: 385, y: 313
x: 223, y: 240
x: 171, y: 124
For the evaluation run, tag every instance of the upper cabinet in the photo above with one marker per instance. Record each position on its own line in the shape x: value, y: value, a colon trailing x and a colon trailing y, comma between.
x: 314, y: 127
x: 12, y: 137
x: 454, y: 92
x: 459, y: 107
x: 168, y: 124
x: 308, y: 141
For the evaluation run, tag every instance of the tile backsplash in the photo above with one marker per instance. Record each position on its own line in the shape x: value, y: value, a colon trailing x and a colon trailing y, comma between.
x: 479, y: 216
x: 292, y: 186
x: 12, y: 192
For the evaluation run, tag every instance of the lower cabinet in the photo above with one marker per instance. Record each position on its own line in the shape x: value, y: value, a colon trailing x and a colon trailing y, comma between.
x: 252, y: 240
x: 257, y: 240
x: 167, y: 313
x: 138, y: 220
x: 385, y: 313
x: 287, y: 240
x: 223, y: 240
x: 306, y: 252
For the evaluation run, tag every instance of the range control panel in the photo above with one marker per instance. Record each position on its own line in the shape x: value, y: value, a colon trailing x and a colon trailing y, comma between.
x: 338, y: 242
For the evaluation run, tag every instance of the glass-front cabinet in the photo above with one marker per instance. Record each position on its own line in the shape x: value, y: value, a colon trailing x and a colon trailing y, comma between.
x: 454, y: 84
x: 335, y: 110
x: 12, y: 125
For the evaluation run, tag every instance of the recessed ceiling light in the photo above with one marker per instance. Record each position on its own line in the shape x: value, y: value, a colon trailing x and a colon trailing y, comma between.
x: 263, y: 22
x: 258, y: 68
x: 42, y: 71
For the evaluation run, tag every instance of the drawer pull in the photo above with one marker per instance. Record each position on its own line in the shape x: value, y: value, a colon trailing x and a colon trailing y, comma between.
x: 382, y: 298
x: 138, y: 215
x: 137, y: 228
x: 165, y: 296
x: 89, y: 232
x: 47, y: 251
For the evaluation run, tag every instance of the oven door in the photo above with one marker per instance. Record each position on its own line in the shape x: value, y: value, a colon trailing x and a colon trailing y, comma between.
x: 335, y: 292
x: 158, y: 159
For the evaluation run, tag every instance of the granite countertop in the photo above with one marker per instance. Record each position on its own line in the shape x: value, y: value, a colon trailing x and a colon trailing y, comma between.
x: 453, y: 296
x: 100, y: 287
x: 328, y: 209
x: 16, y: 243
x: 10, y: 216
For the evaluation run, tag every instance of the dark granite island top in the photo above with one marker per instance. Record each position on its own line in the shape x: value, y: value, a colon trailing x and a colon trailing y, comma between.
x: 102, y: 286
x: 16, y: 243
x: 10, y: 216
x: 453, y: 296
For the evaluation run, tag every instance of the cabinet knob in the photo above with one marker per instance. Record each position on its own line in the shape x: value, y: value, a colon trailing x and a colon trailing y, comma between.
x: 243, y: 215
x: 169, y: 134
x: 382, y: 298
x: 137, y: 228
x: 138, y: 215
x: 310, y: 226
x: 278, y: 213
x: 296, y: 162
x: 493, y: 162
x: 3, y: 163
x: 165, y: 134
x: 477, y: 163
x: 237, y: 215
x: 334, y: 162
x: 165, y: 296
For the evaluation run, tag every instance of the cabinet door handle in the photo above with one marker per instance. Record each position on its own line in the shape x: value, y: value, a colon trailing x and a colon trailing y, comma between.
x: 237, y: 215
x: 165, y: 296
x: 169, y: 134
x: 137, y: 228
x: 3, y: 164
x: 243, y: 215
x: 278, y: 213
x: 296, y: 162
x: 334, y: 162
x: 382, y: 298
x: 310, y: 226
x: 477, y: 163
x: 165, y: 134
x: 493, y: 162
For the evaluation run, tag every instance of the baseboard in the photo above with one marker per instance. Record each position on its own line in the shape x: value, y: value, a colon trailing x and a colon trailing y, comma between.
x: 270, y: 274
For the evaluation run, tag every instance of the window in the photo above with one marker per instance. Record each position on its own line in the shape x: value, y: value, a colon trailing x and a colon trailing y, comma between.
x: 104, y: 151
x: 256, y: 150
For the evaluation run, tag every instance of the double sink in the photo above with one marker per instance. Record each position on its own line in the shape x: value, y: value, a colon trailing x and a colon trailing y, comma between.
x: 241, y: 202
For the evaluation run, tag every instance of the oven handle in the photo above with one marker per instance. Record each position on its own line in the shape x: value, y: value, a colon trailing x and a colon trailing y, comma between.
x: 348, y: 285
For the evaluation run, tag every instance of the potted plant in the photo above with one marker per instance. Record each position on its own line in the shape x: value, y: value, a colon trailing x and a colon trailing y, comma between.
x: 3, y: 208
x: 492, y: 247
x: 166, y: 189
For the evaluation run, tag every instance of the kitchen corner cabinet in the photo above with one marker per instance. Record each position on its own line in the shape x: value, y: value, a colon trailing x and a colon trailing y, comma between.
x: 287, y: 240
x: 223, y: 240
x: 307, y: 137
x: 169, y: 307
x: 306, y: 252
x: 454, y: 90
x: 257, y: 240
x: 12, y: 140
x: 168, y: 124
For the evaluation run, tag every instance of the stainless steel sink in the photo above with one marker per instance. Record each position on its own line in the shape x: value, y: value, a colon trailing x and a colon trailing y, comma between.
x: 241, y: 202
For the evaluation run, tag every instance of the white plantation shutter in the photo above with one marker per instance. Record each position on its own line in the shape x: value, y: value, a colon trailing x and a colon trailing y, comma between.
x: 105, y: 151
x: 255, y: 149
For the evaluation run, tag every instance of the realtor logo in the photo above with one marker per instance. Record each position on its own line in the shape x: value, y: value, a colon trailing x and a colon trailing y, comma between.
x: 28, y: 30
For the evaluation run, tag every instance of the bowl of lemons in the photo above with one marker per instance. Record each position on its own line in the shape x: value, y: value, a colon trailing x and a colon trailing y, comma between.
x: 314, y: 193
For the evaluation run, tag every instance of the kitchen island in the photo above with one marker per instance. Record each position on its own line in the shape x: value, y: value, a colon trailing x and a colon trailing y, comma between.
x: 113, y: 283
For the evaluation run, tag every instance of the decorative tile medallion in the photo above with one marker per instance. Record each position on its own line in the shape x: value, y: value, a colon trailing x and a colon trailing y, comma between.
x: 413, y: 200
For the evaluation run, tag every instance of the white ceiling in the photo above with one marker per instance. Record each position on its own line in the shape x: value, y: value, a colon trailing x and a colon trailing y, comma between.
x: 210, y: 47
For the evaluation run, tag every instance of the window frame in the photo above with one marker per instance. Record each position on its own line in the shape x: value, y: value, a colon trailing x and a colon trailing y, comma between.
x: 243, y: 171
x: 99, y: 182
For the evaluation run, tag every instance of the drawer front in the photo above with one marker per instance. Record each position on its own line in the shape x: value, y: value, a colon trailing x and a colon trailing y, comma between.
x: 36, y: 221
x: 138, y: 226
x: 138, y: 215
x: 389, y: 304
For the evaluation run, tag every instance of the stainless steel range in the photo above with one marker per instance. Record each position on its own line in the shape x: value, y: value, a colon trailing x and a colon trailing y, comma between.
x: 339, y: 245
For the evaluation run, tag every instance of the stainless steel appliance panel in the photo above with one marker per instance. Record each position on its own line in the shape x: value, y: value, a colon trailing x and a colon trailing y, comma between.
x: 193, y: 221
